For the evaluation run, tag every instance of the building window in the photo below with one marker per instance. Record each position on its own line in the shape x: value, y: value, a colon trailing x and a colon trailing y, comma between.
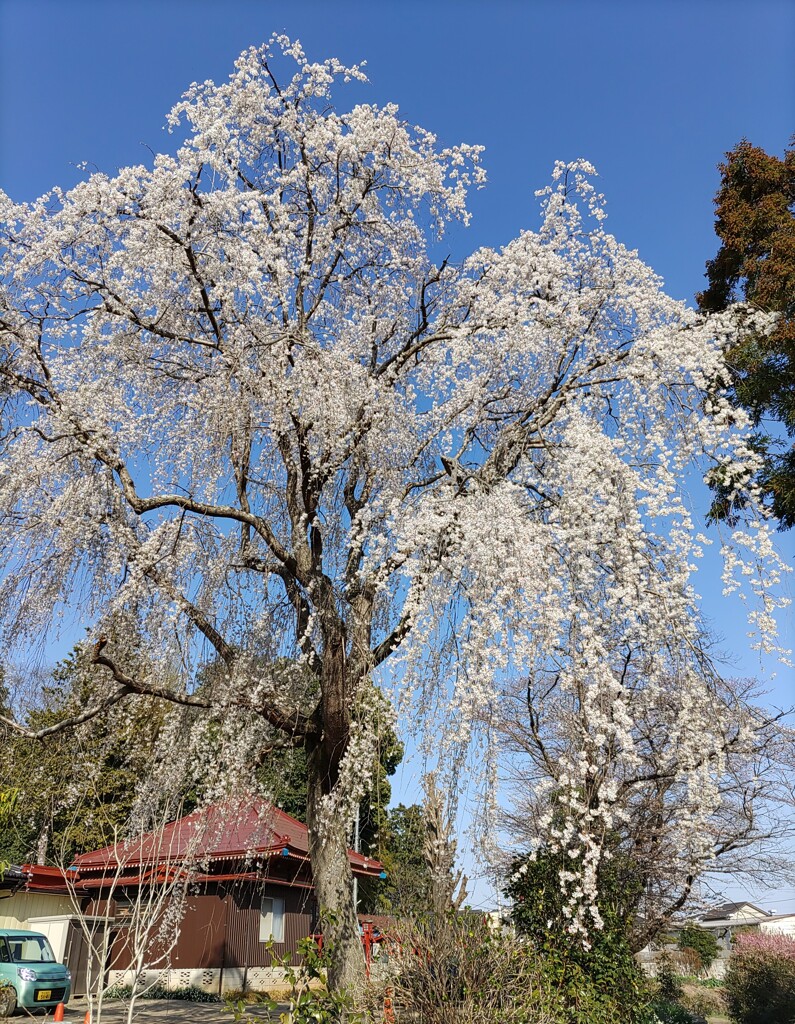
x: 125, y: 905
x: 271, y: 919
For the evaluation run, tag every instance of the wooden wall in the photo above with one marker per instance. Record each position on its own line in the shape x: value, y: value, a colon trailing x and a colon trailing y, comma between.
x: 220, y: 928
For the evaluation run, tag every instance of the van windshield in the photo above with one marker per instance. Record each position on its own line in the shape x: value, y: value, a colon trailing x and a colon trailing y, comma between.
x: 30, y: 949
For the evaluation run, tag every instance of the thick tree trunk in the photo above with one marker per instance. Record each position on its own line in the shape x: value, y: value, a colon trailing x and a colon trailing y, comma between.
x: 333, y: 885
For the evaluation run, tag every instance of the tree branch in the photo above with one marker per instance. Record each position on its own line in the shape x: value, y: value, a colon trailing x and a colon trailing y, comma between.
x: 68, y: 723
x: 295, y: 724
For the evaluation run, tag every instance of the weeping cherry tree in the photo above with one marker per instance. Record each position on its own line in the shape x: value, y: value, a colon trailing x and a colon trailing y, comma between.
x: 250, y: 416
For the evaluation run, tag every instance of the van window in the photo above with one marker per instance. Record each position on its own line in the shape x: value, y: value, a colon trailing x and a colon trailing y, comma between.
x: 30, y: 949
x: 5, y: 956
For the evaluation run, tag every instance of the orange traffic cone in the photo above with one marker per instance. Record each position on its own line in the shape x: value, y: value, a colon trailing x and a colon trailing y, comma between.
x: 87, y: 1018
x: 58, y: 1012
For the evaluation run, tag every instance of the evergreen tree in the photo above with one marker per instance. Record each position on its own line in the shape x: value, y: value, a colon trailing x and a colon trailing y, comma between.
x: 406, y: 891
x: 755, y: 208
x: 74, y: 790
x: 596, y: 974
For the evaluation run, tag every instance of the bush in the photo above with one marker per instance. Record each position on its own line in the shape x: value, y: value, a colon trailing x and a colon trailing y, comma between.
x: 668, y: 984
x: 700, y: 941
x: 689, y: 962
x: 248, y: 996
x: 706, y: 1001
x: 458, y: 971
x: 455, y: 969
x: 760, y: 980
x: 309, y: 1000
x: 601, y: 982
x: 673, y: 1013
x: 189, y: 994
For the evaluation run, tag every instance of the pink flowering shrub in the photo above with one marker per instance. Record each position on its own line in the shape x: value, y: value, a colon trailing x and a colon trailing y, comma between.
x: 760, y: 981
x: 765, y: 943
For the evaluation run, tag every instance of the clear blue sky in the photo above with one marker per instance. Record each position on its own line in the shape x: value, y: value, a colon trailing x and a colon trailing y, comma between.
x: 652, y: 93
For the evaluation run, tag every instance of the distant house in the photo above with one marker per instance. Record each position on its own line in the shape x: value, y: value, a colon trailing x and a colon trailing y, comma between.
x: 779, y: 924
x: 245, y: 868
x: 724, y: 921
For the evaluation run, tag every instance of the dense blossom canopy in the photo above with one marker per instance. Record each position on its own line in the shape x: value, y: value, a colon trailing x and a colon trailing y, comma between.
x: 249, y: 414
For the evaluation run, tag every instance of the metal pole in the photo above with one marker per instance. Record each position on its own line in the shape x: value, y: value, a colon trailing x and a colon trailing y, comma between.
x: 356, y: 850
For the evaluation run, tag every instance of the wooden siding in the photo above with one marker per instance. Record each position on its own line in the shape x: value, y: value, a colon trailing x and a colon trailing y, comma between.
x: 79, y: 953
x: 201, y: 937
x: 220, y: 928
x: 242, y: 947
x: 20, y: 907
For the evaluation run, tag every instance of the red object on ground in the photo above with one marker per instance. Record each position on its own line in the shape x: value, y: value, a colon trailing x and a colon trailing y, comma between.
x: 367, y: 939
x: 389, y: 1011
x: 58, y: 1012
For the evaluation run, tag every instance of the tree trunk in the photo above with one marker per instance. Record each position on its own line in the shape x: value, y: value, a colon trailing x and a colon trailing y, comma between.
x: 333, y: 879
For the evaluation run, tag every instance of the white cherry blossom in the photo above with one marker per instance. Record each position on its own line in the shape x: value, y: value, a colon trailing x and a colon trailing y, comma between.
x: 249, y: 415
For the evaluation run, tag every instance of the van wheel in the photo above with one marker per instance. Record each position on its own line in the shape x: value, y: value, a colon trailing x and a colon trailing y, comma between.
x: 8, y: 1000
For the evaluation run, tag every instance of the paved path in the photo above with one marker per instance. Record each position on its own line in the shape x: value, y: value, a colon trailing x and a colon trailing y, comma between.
x: 164, y: 1011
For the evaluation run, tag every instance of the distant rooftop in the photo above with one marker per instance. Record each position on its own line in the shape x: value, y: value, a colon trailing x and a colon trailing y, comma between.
x: 725, y: 910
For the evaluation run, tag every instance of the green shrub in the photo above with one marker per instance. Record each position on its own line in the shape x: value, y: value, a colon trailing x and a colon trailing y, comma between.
x: 702, y: 942
x: 187, y: 994
x: 599, y: 982
x: 710, y: 982
x: 760, y: 980
x: 666, y: 1012
x: 117, y: 992
x: 308, y: 1004
x: 669, y: 986
x: 249, y: 997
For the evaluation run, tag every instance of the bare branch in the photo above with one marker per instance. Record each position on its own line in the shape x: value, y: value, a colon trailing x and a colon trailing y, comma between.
x: 67, y: 724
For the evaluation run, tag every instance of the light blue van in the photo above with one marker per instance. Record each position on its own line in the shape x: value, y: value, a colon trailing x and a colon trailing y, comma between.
x: 29, y: 974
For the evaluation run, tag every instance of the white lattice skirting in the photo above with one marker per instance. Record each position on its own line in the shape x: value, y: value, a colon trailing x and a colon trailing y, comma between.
x: 207, y: 979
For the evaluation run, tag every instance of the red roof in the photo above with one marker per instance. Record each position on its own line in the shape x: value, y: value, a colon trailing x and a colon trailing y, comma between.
x: 232, y: 830
x: 44, y: 879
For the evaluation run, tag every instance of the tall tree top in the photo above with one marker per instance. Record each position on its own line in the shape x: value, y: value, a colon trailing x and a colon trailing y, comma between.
x: 755, y: 207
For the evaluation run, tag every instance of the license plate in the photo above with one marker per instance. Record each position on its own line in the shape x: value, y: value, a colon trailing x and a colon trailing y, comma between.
x: 44, y: 993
